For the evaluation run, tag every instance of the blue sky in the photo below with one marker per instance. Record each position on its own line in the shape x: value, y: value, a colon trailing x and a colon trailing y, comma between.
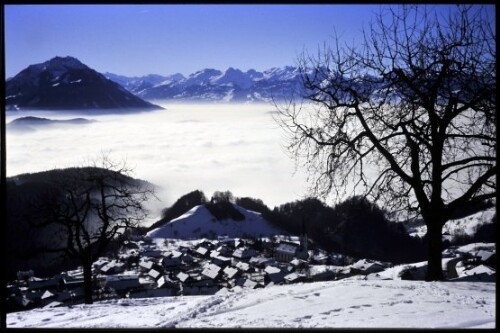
x: 166, y: 39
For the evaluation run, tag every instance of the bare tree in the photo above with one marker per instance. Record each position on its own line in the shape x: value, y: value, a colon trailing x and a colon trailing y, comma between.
x: 89, y: 207
x: 407, y: 117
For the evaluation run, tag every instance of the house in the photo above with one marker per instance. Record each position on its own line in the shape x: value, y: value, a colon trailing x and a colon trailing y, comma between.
x: 230, y: 272
x: 183, y: 277
x: 221, y: 261
x: 224, y: 250
x: 274, y: 274
x: 202, y: 251
x: 320, y: 258
x: 72, y: 283
x: 202, y: 281
x: 186, y: 258
x: 113, y: 267
x: 242, y: 266
x: 366, y: 266
x: 285, y: 252
x: 37, y: 283
x: 298, y: 263
x: 243, y: 253
x: 246, y: 283
x: 258, y: 276
x: 171, y: 262
x: 487, y: 257
x: 145, y: 265
x: 294, y: 278
x: 122, y: 282
x: 261, y: 262
x: 100, y: 263
x: 151, y: 252
x: 322, y: 275
x: 154, y: 273
x: 211, y: 271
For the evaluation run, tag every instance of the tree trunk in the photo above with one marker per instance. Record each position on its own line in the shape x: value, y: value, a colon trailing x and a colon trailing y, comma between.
x: 435, y: 248
x: 87, y: 282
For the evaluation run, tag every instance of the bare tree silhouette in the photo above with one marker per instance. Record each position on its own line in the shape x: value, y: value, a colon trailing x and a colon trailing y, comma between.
x: 407, y: 117
x: 88, y: 208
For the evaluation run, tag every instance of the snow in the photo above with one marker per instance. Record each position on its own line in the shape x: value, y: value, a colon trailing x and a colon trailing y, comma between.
x: 333, y: 304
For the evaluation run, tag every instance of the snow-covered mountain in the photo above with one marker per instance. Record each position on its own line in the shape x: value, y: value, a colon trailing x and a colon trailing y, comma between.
x: 66, y: 83
x: 199, y: 222
x: 213, y: 85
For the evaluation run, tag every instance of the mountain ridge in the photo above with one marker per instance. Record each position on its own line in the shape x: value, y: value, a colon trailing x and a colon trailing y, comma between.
x: 214, y: 85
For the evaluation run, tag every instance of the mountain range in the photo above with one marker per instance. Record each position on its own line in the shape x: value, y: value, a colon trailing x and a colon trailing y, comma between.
x: 66, y: 83
x: 213, y: 85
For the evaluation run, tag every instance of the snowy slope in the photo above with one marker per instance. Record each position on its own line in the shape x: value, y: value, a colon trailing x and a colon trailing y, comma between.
x: 466, y: 225
x: 200, y: 223
x: 333, y: 304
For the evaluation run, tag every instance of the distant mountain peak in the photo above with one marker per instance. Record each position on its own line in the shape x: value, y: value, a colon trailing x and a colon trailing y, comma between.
x: 66, y: 83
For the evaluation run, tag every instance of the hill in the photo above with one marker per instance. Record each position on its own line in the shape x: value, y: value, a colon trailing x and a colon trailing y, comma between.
x: 65, y: 83
x: 212, y: 220
x: 29, y: 124
x: 25, y: 194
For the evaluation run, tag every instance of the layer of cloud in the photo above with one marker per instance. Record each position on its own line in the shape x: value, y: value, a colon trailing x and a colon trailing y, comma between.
x: 183, y: 148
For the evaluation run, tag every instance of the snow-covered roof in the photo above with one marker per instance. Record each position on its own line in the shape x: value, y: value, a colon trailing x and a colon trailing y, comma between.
x: 243, y: 266
x: 272, y: 270
x: 481, y: 269
x: 287, y: 248
x: 211, y: 271
x: 230, y: 272
x: 154, y: 273
x: 249, y: 284
x: 292, y: 277
x: 182, y: 276
x: 367, y: 265
x: 243, y: 252
x: 201, y: 250
x: 484, y: 255
x: 146, y: 264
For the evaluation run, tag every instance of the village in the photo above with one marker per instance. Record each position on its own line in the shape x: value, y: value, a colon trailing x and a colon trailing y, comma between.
x: 145, y: 267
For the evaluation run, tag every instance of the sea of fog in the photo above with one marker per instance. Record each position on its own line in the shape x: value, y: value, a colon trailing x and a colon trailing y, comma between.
x: 214, y: 147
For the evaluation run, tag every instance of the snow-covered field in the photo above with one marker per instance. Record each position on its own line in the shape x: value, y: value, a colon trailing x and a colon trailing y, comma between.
x: 334, y: 304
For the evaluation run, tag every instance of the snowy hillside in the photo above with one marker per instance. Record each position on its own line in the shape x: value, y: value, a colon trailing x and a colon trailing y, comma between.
x: 200, y: 223
x: 333, y: 304
x: 466, y: 225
